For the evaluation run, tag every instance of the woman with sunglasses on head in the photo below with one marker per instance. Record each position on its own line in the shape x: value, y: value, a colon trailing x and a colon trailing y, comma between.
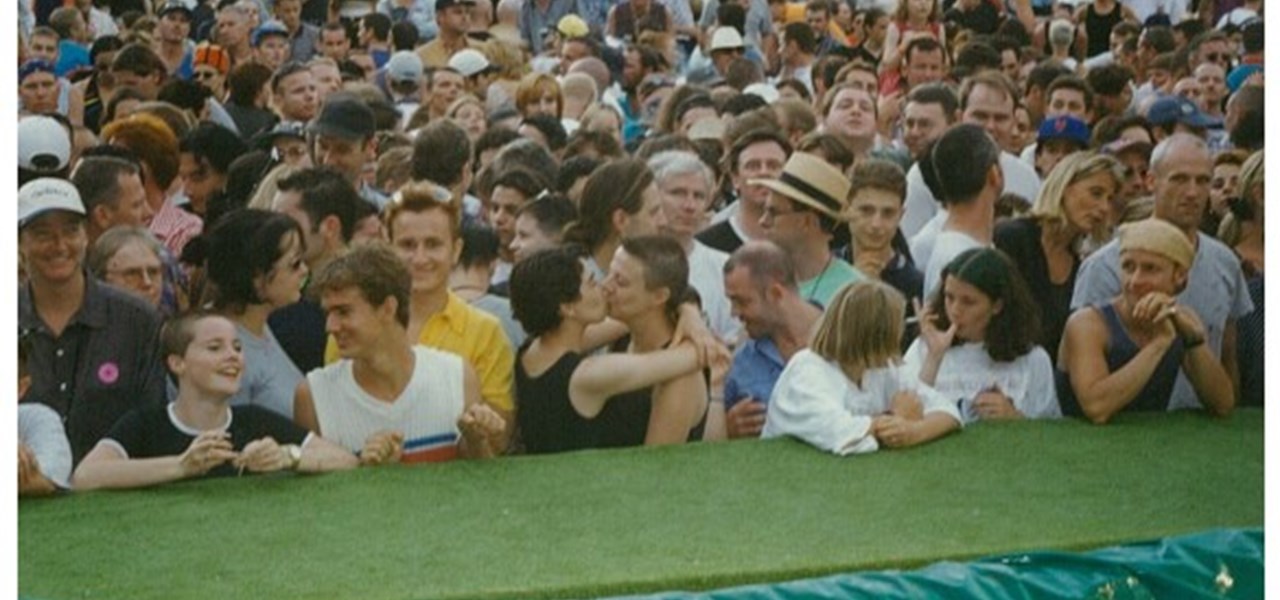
x: 253, y: 262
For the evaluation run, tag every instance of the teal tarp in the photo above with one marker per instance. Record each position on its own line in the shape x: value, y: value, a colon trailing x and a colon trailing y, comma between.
x: 1226, y: 563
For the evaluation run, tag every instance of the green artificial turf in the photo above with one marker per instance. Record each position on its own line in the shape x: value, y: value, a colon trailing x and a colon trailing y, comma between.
x: 642, y: 520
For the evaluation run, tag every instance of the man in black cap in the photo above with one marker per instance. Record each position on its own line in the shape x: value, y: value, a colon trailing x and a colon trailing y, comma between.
x: 342, y: 138
x: 172, y: 43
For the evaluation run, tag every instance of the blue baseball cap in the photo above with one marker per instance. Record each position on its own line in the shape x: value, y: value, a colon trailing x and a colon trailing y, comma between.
x: 1064, y: 127
x: 1179, y: 109
x: 269, y: 28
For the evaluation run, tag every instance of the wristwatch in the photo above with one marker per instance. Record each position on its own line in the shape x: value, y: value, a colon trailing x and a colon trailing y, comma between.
x: 294, y: 453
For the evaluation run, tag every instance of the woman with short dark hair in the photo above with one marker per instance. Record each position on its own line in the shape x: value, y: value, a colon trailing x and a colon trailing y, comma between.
x: 254, y: 265
x: 562, y: 393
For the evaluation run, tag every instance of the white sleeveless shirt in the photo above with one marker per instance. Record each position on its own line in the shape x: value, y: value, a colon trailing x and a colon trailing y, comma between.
x: 426, y: 412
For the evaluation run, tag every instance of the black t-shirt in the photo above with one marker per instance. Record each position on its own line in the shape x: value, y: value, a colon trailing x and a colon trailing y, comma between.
x: 300, y: 330
x: 1020, y: 239
x: 547, y: 420
x: 153, y: 432
x: 982, y: 20
x: 857, y: 53
x: 624, y: 420
x: 721, y: 236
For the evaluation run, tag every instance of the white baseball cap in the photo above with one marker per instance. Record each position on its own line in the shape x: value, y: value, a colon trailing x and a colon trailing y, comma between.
x: 726, y: 38
x: 468, y: 62
x: 43, y: 144
x: 764, y: 90
x: 45, y: 194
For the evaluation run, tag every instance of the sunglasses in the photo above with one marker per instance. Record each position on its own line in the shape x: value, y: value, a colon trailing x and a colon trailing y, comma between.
x: 206, y: 74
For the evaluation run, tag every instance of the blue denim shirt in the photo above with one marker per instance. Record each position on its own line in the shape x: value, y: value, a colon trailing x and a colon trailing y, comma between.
x: 756, y: 368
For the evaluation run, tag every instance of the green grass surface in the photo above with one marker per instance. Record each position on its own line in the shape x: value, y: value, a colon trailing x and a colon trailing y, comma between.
x: 630, y: 521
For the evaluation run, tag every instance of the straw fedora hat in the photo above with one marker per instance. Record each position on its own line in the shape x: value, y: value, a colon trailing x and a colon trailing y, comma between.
x: 813, y: 182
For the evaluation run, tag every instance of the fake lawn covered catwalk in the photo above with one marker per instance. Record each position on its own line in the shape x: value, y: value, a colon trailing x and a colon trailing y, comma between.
x: 699, y: 516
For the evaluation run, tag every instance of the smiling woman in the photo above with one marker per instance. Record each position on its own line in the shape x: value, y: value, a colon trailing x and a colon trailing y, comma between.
x: 255, y: 265
x: 200, y: 434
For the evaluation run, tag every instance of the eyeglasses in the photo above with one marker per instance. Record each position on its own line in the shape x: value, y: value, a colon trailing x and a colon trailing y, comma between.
x: 770, y: 213
x: 137, y: 275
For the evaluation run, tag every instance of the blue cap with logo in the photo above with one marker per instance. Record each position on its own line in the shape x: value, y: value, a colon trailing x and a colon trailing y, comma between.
x: 1064, y: 127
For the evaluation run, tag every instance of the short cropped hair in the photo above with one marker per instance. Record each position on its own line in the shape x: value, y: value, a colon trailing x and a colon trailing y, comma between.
x: 879, y: 174
x: 540, y: 284
x: 324, y: 192
x: 766, y: 263
x: 665, y: 266
x: 374, y: 270
x: 97, y: 178
x: 440, y: 152
x: 955, y: 166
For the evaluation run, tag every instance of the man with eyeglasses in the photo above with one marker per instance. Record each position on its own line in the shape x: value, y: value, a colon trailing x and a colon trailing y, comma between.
x: 210, y: 66
x: 94, y: 349
x: 1209, y: 47
x: 802, y: 214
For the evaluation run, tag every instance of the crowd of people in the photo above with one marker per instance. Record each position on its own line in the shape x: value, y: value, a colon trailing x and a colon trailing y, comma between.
x: 314, y: 235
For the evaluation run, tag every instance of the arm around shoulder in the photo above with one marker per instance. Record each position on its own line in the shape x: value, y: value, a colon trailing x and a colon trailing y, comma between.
x: 678, y: 405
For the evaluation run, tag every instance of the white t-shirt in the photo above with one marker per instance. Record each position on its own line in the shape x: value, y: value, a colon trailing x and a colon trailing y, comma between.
x: 967, y: 370
x: 948, y: 245
x: 426, y: 412
x: 706, y: 275
x: 922, y: 241
x: 920, y: 206
x: 40, y: 428
x: 814, y: 401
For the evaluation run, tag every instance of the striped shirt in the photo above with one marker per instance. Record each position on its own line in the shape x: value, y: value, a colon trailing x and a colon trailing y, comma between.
x: 174, y: 227
x: 426, y: 412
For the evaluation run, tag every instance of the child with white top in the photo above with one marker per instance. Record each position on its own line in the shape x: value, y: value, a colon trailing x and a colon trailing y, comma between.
x: 977, y: 342
x: 848, y: 394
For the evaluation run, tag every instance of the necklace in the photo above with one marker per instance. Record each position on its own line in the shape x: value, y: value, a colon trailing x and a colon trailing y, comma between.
x: 813, y: 291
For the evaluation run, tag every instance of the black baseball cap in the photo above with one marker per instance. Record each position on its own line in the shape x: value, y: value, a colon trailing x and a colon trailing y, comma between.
x: 346, y: 116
